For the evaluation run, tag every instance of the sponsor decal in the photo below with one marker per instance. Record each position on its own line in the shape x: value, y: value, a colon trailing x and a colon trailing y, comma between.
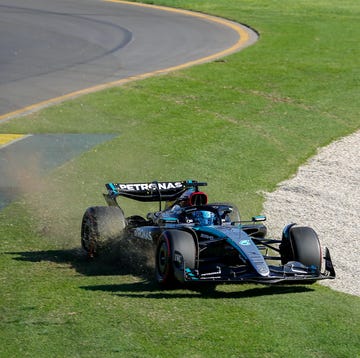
x: 143, y: 234
x: 263, y: 269
x: 204, y: 236
x: 245, y: 242
x: 178, y: 258
x: 149, y: 186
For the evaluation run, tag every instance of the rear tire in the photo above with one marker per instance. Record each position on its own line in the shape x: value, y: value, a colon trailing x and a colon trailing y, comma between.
x: 175, y: 250
x: 301, y: 244
x: 100, y: 225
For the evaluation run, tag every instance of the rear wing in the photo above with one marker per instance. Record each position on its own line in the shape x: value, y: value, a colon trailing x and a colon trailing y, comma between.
x: 150, y: 192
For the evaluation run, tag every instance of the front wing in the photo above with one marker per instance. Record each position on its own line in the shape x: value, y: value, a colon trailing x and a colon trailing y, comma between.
x: 292, y: 272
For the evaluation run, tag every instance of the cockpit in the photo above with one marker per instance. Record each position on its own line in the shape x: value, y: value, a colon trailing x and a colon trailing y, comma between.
x: 201, y: 217
x: 192, y: 208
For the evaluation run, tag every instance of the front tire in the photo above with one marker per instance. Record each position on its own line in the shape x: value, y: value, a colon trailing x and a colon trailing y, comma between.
x: 100, y: 225
x: 301, y: 244
x: 175, y: 251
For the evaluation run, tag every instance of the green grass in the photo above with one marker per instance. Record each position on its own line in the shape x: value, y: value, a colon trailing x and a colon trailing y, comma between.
x: 242, y: 124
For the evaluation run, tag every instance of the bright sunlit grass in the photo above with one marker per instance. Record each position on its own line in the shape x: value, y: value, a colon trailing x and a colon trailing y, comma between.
x: 243, y: 125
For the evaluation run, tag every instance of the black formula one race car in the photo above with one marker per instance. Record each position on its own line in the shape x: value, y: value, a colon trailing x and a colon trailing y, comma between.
x: 196, y: 242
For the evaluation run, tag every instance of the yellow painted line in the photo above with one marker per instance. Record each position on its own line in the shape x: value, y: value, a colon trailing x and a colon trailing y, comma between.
x: 243, y: 34
x: 6, y: 139
x: 242, y: 42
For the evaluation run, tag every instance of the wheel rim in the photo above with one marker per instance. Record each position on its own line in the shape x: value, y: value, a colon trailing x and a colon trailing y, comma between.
x: 163, y: 261
x: 163, y: 256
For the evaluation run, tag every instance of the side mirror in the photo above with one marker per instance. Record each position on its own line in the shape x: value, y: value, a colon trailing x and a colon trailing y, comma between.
x: 258, y: 218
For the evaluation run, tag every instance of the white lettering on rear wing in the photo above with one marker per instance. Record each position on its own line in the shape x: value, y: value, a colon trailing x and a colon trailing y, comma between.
x: 148, y: 186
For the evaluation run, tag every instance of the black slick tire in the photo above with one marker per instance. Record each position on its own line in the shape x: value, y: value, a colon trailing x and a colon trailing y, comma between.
x: 100, y: 225
x: 302, y: 245
x: 175, y: 251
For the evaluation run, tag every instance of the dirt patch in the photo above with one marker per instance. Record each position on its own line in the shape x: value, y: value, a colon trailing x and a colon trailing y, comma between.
x: 25, y: 162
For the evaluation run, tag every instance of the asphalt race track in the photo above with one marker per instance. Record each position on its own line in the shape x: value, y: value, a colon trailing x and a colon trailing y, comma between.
x: 53, y: 47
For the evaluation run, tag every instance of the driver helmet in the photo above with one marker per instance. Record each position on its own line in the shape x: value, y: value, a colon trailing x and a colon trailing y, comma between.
x: 202, y: 217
